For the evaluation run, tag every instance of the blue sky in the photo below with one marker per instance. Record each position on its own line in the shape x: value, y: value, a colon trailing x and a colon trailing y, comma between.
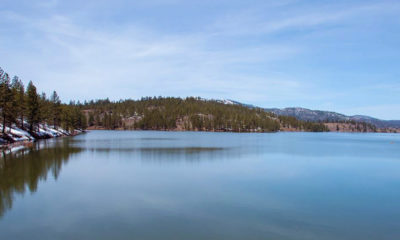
x: 342, y: 56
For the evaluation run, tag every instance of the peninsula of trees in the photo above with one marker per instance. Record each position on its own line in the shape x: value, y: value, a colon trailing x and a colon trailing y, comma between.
x: 26, y: 113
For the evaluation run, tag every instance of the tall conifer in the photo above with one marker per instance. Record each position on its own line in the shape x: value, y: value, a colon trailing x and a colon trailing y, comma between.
x: 6, y: 100
x: 32, y: 106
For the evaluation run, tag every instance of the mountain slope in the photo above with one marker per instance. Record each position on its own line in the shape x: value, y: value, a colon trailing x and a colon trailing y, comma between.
x: 318, y: 115
x: 305, y: 114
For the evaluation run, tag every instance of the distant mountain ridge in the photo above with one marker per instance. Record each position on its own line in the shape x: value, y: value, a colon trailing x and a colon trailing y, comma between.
x: 318, y: 115
x: 305, y: 114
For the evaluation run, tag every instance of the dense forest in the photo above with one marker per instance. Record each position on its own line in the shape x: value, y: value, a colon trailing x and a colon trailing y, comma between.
x: 196, y: 114
x: 26, y: 109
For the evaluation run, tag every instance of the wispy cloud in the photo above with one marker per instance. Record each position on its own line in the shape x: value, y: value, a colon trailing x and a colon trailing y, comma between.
x: 142, y: 60
x: 261, y: 21
x: 250, y: 52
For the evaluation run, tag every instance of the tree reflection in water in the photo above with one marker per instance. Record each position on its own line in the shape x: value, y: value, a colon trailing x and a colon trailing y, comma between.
x: 22, y: 171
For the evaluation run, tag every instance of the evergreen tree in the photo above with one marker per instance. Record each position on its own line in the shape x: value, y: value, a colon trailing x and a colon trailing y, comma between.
x: 33, y: 108
x: 55, y: 109
x: 6, y: 101
x: 15, y: 105
x: 19, y: 98
x: 44, y: 108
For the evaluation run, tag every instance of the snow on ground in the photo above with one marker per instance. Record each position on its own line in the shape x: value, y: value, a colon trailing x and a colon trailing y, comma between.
x: 227, y: 101
x: 17, y: 134
x: 16, y: 149
x: 24, y: 134
x: 44, y: 131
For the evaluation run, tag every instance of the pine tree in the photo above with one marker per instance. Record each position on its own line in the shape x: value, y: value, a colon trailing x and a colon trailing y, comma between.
x: 6, y: 100
x: 19, y: 98
x: 15, y: 105
x: 44, y: 108
x: 55, y: 109
x: 32, y: 106
x: 66, y: 118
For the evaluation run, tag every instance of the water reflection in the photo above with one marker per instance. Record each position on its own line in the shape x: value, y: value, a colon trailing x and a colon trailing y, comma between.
x: 165, y: 147
x: 21, y: 171
x: 171, y: 154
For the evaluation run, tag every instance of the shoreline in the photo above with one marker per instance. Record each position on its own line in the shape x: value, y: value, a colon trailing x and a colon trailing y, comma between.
x: 220, y: 131
x: 19, y: 145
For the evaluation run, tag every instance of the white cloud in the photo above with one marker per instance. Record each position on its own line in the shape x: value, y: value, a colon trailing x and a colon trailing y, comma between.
x: 237, y: 54
x: 133, y: 62
x: 255, y: 21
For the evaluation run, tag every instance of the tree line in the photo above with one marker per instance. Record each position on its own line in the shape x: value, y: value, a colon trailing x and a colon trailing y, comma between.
x: 191, y: 113
x: 292, y: 122
x: 26, y: 109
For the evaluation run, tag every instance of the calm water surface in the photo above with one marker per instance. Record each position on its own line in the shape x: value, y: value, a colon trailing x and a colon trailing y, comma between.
x: 187, y: 185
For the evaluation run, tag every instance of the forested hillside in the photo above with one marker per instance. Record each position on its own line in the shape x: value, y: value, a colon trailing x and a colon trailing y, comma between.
x: 168, y: 113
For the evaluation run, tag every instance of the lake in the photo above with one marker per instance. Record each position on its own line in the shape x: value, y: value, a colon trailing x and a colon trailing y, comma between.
x: 197, y: 185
